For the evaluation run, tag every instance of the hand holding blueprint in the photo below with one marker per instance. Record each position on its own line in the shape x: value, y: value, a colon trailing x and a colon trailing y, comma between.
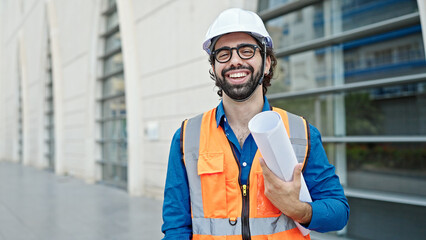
x: 274, y: 144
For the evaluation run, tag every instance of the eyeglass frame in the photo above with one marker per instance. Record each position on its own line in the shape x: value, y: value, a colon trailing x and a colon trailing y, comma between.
x: 230, y: 49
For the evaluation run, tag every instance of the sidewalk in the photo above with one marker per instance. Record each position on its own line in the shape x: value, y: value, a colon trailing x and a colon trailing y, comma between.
x: 39, y: 205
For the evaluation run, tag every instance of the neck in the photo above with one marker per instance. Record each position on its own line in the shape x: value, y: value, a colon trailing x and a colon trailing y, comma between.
x: 239, y: 114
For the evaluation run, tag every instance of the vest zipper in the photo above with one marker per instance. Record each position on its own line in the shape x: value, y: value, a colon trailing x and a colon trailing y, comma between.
x: 245, y: 211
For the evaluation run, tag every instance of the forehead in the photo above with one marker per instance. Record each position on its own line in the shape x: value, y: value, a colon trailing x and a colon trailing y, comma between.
x: 234, y: 39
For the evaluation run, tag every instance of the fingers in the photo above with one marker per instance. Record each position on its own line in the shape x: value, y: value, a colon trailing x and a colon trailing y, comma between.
x: 267, y: 173
x: 297, y: 172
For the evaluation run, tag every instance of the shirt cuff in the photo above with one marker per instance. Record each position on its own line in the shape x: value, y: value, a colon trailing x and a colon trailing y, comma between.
x: 319, y: 214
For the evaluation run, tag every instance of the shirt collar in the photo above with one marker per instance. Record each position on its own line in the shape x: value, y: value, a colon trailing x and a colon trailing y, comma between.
x: 220, y: 111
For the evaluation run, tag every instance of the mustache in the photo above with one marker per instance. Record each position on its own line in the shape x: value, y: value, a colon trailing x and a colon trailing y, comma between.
x: 224, y: 71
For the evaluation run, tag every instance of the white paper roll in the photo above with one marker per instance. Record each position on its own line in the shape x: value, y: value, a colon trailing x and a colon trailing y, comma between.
x: 270, y: 135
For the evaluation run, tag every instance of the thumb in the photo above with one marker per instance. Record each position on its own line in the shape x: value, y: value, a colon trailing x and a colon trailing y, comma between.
x: 297, y: 172
x: 265, y: 169
x: 263, y: 165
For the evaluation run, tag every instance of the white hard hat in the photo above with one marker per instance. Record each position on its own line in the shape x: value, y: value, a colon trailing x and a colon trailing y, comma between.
x: 237, y: 20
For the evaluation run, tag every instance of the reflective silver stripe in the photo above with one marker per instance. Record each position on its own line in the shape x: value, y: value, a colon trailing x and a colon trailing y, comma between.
x: 298, y: 141
x: 192, y: 146
x: 266, y: 226
x: 258, y: 226
x: 297, y: 136
x: 215, y: 226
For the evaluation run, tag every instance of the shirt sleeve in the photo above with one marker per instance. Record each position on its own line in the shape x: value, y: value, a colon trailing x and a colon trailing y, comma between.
x: 177, y: 222
x: 330, y: 208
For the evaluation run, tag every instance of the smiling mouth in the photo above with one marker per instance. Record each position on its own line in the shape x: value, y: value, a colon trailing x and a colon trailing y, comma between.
x: 238, y: 75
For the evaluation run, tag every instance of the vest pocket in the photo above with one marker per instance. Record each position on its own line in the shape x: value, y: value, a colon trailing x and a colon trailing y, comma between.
x: 233, y: 198
x: 213, y: 184
x: 264, y: 207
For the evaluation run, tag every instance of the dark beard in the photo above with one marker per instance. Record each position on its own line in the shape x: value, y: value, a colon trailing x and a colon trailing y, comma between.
x: 238, y: 92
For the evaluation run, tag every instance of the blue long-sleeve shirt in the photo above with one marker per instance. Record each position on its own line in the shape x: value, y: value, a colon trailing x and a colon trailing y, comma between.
x: 330, y: 209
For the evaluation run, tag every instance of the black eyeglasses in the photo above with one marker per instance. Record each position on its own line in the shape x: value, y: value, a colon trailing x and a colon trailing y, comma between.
x: 245, y: 51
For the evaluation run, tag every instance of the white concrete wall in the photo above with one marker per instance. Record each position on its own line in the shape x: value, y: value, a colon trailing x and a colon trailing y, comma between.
x: 9, y: 102
x: 32, y: 46
x: 2, y: 115
x: 21, y: 43
x: 25, y: 40
x: 77, y: 37
x: 166, y: 73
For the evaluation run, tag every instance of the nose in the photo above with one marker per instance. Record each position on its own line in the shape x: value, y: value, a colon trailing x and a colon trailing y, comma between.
x: 235, y: 58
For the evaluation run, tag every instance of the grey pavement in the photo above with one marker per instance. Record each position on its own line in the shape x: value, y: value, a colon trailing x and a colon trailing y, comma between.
x: 39, y: 205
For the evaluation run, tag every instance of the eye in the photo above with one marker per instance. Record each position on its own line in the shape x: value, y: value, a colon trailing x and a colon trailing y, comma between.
x: 223, y: 54
x: 247, y: 51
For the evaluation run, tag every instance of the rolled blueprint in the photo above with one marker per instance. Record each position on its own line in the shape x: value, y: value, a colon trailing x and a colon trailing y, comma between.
x: 270, y: 135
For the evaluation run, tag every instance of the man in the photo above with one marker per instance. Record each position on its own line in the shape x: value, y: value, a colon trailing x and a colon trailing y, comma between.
x: 218, y: 186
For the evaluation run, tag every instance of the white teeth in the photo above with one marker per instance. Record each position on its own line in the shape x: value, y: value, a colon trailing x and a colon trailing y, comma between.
x: 237, y: 75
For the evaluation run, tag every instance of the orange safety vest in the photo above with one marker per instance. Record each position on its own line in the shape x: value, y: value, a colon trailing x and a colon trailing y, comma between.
x: 221, y: 207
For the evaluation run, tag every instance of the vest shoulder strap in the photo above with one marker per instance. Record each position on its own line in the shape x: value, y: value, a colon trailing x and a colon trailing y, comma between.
x: 190, y: 137
x: 190, y: 146
x: 299, y: 137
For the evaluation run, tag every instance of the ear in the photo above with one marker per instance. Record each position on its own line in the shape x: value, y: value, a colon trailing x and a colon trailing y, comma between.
x: 267, y: 65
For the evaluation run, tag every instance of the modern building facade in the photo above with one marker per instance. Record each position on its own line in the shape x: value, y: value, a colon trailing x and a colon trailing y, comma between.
x: 96, y: 89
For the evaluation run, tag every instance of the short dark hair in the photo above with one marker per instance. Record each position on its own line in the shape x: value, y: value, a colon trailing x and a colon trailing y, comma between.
x: 266, y: 80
